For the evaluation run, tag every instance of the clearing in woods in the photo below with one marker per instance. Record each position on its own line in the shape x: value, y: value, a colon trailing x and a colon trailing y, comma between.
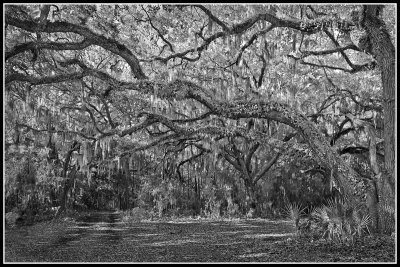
x: 103, y: 237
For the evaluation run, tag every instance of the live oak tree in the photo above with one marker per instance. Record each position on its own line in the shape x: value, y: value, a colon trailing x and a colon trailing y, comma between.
x: 113, y: 80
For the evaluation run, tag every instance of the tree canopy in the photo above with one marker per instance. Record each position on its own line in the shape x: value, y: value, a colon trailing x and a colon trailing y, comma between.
x: 245, y: 86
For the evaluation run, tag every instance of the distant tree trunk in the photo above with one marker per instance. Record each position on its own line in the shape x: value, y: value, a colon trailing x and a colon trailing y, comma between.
x: 67, y: 178
x: 252, y: 203
x: 68, y: 182
x: 133, y: 189
x: 197, y: 203
x: 120, y: 200
x: 372, y: 193
x: 372, y: 203
x: 126, y: 177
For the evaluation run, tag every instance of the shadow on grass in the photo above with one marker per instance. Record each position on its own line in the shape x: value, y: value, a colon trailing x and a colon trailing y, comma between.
x: 104, y: 238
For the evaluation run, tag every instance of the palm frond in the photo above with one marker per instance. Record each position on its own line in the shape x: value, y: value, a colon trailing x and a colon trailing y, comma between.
x: 293, y: 211
x: 320, y: 213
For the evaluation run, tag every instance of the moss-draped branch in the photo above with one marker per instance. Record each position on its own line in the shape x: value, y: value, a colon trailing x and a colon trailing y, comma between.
x: 94, y: 39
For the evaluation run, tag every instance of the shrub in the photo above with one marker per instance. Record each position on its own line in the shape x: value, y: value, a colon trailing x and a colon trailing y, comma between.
x: 11, y: 218
x: 136, y: 215
x: 387, y: 220
x: 293, y: 212
x: 11, y: 201
x: 213, y: 210
x: 340, y: 222
x: 88, y: 200
x: 232, y: 209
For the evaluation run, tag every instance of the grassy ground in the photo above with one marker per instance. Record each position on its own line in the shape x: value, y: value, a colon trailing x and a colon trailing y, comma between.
x: 103, y: 237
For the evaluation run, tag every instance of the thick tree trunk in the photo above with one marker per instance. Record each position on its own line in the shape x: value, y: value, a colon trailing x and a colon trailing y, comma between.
x: 384, y: 52
x: 253, y: 209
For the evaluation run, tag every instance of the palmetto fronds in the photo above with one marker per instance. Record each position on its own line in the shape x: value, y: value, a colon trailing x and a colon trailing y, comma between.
x: 387, y: 217
x: 339, y: 221
x: 293, y: 211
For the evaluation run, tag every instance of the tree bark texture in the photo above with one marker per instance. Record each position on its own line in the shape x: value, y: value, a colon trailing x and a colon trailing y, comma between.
x: 372, y: 192
x: 67, y: 178
x: 384, y: 52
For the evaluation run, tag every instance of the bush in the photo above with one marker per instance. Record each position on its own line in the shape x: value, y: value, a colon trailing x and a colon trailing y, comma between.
x: 11, y: 201
x: 232, y: 209
x: 88, y: 200
x: 213, y: 210
x: 11, y: 218
x: 293, y: 212
x: 337, y: 221
x: 136, y: 215
x: 387, y: 220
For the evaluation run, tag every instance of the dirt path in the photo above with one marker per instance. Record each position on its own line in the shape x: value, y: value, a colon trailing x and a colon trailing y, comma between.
x: 102, y: 237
